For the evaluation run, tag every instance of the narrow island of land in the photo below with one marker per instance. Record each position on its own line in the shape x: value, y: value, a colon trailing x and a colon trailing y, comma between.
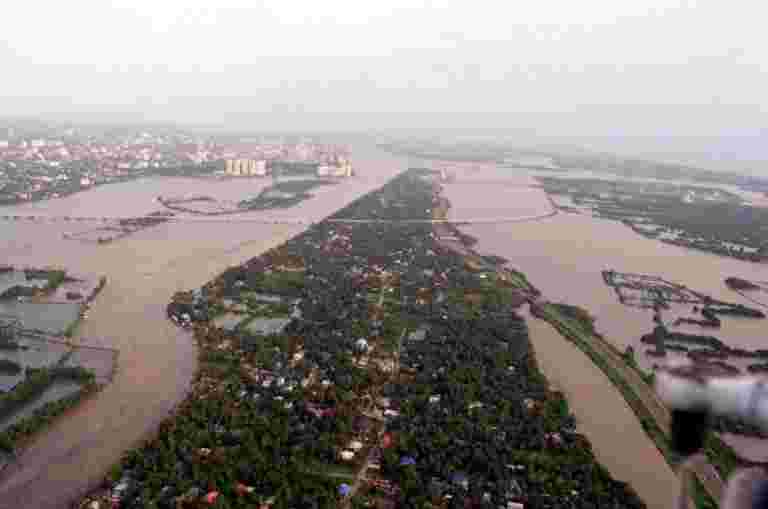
x: 364, y: 363
x: 280, y: 195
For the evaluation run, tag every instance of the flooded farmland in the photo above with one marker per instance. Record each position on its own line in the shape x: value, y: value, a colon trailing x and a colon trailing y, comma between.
x: 33, y: 353
x: 52, y: 318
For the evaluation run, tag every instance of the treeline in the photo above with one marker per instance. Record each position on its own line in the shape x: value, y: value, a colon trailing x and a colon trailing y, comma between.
x: 723, y: 227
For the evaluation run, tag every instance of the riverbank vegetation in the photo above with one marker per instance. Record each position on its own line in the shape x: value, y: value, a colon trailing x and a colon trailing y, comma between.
x: 511, y: 157
x: 577, y: 326
x: 700, y: 218
x: 37, y: 381
x: 379, y: 388
x: 720, y: 455
x: 279, y: 195
x: 18, y: 406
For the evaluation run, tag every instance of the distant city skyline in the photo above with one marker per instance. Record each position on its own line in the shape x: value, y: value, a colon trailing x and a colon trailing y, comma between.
x: 737, y: 150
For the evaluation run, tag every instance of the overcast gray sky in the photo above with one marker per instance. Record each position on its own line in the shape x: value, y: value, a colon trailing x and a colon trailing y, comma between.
x: 602, y: 67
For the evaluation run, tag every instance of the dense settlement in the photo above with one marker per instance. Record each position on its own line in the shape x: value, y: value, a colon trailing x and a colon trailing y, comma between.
x: 45, y: 161
x: 364, y: 364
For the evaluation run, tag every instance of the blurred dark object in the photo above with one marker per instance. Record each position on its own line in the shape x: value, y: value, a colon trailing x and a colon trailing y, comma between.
x: 689, y: 429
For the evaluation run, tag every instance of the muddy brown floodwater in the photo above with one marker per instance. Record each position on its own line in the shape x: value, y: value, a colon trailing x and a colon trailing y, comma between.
x: 156, y: 360
x: 602, y: 415
x: 563, y: 256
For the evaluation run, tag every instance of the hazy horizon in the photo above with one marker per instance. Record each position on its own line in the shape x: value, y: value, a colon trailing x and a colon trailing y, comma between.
x: 677, y: 80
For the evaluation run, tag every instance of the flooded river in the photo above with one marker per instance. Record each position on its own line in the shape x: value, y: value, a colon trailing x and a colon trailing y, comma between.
x: 614, y: 431
x: 563, y: 256
x: 156, y: 359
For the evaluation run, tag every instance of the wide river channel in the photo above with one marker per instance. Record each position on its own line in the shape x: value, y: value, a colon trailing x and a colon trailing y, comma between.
x: 156, y: 360
x: 563, y: 256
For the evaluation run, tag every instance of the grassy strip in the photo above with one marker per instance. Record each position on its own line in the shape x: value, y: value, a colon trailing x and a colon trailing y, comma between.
x: 55, y: 279
x: 71, y: 329
x: 36, y: 383
x: 518, y: 278
x: 700, y: 497
x: 719, y: 454
x: 570, y: 331
x: 43, y: 416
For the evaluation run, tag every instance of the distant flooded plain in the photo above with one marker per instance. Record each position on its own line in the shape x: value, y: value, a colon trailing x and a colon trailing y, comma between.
x: 563, y: 256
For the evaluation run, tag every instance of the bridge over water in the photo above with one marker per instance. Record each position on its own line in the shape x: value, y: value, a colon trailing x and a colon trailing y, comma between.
x: 48, y: 218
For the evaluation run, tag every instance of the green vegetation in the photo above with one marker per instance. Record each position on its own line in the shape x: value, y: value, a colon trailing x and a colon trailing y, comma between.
x: 546, y: 468
x: 257, y: 449
x: 259, y: 308
x: 575, y: 325
x: 707, y: 219
x: 700, y: 497
x: 55, y: 279
x: 71, y: 329
x: 216, y: 309
x: 469, y: 399
x: 333, y: 471
x: 12, y: 436
x: 35, y: 384
x: 581, y: 316
x: 279, y: 282
x: 721, y: 455
x: 471, y: 302
x: 521, y: 281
